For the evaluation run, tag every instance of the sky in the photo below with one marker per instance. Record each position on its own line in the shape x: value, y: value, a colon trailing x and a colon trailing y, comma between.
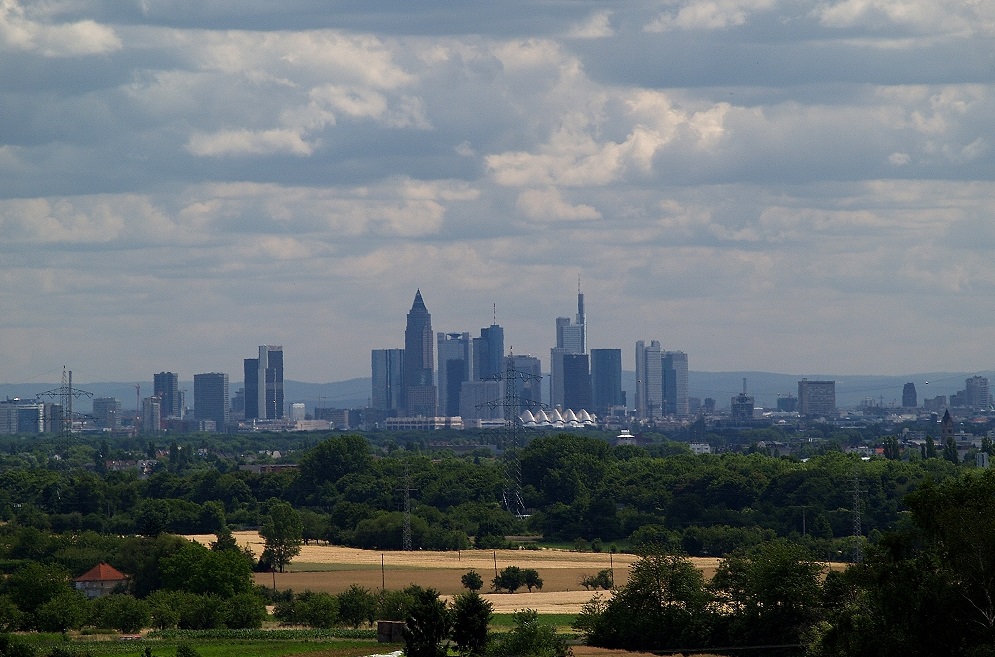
x: 792, y: 186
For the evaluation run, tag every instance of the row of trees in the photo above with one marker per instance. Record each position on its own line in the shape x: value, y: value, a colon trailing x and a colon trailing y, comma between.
x: 575, y: 487
x: 927, y: 588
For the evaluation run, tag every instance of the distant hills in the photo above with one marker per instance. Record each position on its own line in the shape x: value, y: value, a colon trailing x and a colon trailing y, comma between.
x: 765, y: 387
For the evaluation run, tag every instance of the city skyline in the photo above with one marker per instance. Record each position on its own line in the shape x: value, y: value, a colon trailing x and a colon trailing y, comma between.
x: 801, y: 186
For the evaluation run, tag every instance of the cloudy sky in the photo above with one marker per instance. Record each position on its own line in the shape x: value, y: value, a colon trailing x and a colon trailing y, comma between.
x: 796, y: 186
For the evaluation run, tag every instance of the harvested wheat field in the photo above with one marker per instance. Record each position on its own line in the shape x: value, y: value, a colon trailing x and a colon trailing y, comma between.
x: 333, y: 569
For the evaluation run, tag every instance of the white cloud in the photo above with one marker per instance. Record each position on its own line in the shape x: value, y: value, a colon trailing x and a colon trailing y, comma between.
x: 19, y: 31
x: 250, y: 142
x: 597, y: 26
x: 708, y: 15
x: 923, y: 16
x: 548, y: 204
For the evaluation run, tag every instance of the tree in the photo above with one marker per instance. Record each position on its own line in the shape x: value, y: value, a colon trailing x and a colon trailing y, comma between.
x: 282, y: 533
x: 602, y: 580
x: 427, y: 626
x: 771, y: 594
x: 121, y: 612
x: 509, y: 579
x: 531, y: 579
x: 530, y: 637
x: 197, y: 569
x: 471, y: 616
x: 472, y: 581
x: 67, y: 611
x: 664, y: 605
x: 357, y: 605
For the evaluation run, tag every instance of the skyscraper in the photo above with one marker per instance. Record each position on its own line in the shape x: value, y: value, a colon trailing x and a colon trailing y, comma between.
x: 909, y: 399
x: 525, y: 383
x: 817, y: 398
x: 571, y: 338
x: 607, y: 396
x: 675, y: 383
x: 387, y: 366
x: 455, y: 366
x: 576, y: 382
x: 270, y: 382
x: 488, y: 353
x: 649, y: 380
x: 210, y: 398
x: 251, y: 386
x: 419, y: 380
x: 107, y: 412
x: 166, y: 386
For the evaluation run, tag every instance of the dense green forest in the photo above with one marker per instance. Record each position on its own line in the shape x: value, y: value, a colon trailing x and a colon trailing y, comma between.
x: 922, y: 584
x: 578, y: 490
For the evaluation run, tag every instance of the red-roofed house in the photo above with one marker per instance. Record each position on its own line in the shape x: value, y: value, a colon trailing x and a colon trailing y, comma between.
x: 100, y: 580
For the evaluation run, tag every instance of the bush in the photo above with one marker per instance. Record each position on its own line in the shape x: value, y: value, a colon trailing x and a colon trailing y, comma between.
x: 603, y: 580
x: 12, y: 646
x: 530, y: 637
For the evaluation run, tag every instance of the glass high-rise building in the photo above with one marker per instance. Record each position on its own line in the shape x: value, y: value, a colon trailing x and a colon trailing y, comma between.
x: 455, y: 367
x: 387, y: 366
x: 488, y: 353
x: 571, y: 338
x: 210, y: 398
x: 419, y: 390
x: 649, y: 380
x: 607, y: 395
x: 576, y: 382
x: 525, y: 382
x: 675, y: 383
x: 264, y: 384
x: 166, y: 386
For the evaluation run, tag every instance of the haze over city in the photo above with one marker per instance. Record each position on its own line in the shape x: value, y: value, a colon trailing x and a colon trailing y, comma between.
x: 799, y: 187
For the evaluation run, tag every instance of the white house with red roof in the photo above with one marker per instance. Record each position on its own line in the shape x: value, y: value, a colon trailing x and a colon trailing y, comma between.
x: 100, y: 580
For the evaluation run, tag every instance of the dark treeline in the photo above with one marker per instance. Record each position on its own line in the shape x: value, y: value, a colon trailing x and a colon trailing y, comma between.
x: 927, y: 588
x: 579, y: 490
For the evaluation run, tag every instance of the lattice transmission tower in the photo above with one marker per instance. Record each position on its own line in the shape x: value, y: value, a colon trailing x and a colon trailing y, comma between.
x: 512, y: 403
x: 65, y: 393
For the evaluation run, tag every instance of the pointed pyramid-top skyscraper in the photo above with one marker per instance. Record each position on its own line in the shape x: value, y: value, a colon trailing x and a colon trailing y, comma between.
x: 418, y: 375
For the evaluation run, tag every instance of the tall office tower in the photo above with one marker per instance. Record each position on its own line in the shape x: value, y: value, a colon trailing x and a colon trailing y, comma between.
x: 570, y: 339
x: 741, y: 406
x: 909, y: 399
x: 151, y: 415
x: 166, y: 386
x: 525, y: 381
x: 269, y: 382
x: 388, y: 364
x: 816, y: 398
x: 977, y: 396
x: 455, y: 366
x: 480, y: 400
x: 107, y: 412
x: 649, y: 380
x: 419, y: 380
x: 607, y: 396
x: 210, y: 398
x: 250, y: 406
x: 576, y: 382
x: 675, y: 383
x: 488, y: 353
